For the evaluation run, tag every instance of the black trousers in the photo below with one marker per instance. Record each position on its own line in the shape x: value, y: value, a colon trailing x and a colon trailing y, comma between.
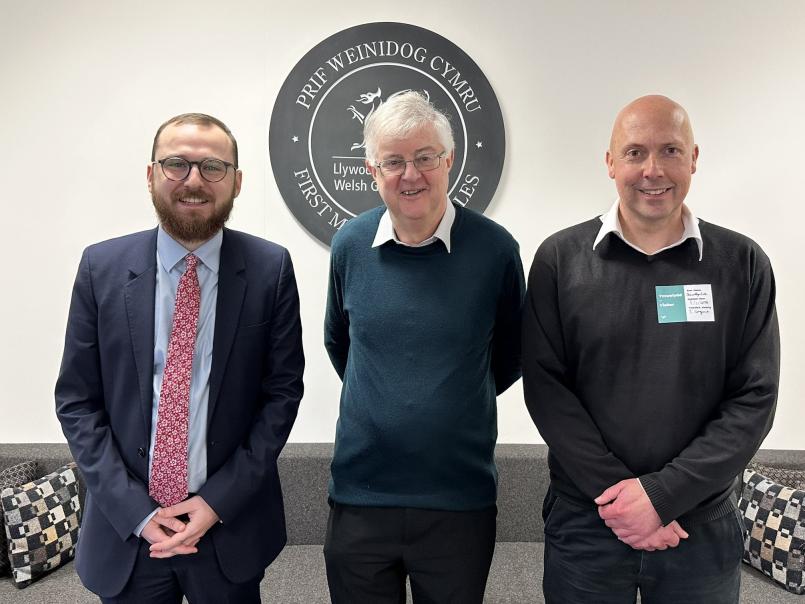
x: 370, y: 551
x: 197, y: 576
x: 585, y: 562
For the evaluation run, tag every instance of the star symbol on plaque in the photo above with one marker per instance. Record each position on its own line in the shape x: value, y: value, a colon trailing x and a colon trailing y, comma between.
x: 479, y: 144
x: 295, y: 138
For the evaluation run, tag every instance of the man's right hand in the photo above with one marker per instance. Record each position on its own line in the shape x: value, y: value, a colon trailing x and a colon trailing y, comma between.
x: 161, y: 528
x: 663, y: 538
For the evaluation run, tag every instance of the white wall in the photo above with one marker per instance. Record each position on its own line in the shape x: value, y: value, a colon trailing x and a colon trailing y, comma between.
x: 84, y: 84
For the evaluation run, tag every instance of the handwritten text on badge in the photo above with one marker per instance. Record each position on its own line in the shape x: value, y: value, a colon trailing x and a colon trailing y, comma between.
x: 685, y: 303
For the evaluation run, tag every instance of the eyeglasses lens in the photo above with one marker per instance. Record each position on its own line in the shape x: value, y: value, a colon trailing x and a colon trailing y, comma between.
x: 212, y: 170
x: 175, y: 168
x: 423, y: 163
x: 178, y: 168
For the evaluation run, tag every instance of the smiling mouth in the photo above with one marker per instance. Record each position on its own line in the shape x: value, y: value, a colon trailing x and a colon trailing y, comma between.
x: 412, y: 192
x: 193, y: 201
x: 653, y: 192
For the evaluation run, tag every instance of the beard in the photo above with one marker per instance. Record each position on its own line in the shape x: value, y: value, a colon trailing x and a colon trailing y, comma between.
x: 185, y: 228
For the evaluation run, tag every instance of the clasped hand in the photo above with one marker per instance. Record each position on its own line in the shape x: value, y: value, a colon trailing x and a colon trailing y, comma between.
x: 170, y: 537
x: 627, y: 510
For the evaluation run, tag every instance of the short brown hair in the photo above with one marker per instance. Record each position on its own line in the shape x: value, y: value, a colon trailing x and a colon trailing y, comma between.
x: 200, y: 119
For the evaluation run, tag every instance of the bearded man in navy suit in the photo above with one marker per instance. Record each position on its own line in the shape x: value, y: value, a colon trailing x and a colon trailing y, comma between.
x: 212, y: 543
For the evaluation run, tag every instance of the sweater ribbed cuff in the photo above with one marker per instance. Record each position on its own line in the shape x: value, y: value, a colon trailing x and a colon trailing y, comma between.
x: 659, y: 498
x: 662, y: 504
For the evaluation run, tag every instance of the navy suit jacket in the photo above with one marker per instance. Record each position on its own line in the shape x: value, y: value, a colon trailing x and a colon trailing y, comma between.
x: 104, y: 401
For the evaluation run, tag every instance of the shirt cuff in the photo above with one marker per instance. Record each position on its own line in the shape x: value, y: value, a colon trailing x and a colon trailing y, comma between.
x: 139, y: 528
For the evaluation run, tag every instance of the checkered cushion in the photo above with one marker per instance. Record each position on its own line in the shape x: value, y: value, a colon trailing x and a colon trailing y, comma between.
x: 12, y: 477
x: 793, y: 478
x: 42, y: 519
x: 774, y: 516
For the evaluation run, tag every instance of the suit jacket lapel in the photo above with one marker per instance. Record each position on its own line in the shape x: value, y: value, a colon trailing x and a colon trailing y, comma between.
x: 139, y: 294
x: 231, y: 292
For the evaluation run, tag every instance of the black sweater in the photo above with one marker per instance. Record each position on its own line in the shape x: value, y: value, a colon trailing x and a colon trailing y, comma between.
x: 617, y: 394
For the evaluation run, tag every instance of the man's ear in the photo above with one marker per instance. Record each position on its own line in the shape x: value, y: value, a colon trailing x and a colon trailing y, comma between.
x: 149, y: 173
x: 610, y: 164
x: 694, y: 158
x: 238, y: 182
x: 372, y: 169
x: 449, y: 159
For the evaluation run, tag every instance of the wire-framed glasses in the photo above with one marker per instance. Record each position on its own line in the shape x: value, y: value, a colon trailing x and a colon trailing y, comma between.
x: 423, y: 163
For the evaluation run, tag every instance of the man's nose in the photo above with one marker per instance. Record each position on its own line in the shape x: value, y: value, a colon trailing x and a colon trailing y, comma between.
x: 194, y: 176
x: 652, y: 167
x: 410, y: 172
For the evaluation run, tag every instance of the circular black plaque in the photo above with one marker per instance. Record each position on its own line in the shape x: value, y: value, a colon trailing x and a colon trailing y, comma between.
x: 316, y: 135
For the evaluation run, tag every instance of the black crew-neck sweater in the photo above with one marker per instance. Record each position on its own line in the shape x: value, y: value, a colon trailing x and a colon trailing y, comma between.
x: 617, y: 394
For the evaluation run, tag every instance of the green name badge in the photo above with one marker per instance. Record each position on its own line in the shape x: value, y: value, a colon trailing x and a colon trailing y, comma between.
x: 685, y: 303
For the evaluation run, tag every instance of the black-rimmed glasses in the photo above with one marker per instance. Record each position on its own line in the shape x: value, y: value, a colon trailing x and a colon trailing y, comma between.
x: 210, y: 168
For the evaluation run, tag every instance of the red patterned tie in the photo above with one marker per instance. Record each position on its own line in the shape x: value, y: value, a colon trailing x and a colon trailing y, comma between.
x: 168, y: 483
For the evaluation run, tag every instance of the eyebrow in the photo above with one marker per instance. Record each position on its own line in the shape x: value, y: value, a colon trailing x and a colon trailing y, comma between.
x: 674, y: 143
x: 429, y: 148
x: 181, y: 156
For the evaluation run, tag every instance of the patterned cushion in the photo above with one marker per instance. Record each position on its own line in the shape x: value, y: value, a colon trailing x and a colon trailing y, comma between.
x: 12, y: 477
x: 793, y: 478
x: 42, y: 520
x: 774, y: 517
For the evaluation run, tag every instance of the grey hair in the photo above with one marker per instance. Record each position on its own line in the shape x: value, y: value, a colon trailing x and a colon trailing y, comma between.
x: 402, y: 114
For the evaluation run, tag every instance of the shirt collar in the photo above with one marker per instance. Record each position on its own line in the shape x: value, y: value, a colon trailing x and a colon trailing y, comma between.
x: 610, y: 223
x: 170, y: 252
x: 385, y: 230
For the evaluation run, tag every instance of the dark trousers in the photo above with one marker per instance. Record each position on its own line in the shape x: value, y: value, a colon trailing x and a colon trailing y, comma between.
x: 369, y: 551
x: 197, y: 576
x: 585, y: 562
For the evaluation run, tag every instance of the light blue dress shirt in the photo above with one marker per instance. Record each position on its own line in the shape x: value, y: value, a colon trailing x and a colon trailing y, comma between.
x: 170, y: 267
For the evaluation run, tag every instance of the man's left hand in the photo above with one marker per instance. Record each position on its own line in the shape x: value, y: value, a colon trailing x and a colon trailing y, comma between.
x: 663, y: 538
x: 627, y: 510
x: 200, y: 518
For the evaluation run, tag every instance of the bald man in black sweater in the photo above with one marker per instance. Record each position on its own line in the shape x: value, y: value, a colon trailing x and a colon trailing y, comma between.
x: 650, y: 367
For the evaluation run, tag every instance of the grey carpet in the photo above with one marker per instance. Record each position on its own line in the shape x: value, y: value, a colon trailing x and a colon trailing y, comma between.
x: 297, y: 577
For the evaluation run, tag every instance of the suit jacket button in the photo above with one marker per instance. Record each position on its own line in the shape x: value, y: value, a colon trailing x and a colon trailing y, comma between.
x: 141, y: 452
x: 212, y: 443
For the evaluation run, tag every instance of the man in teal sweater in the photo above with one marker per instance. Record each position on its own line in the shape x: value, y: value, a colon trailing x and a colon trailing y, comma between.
x: 422, y: 326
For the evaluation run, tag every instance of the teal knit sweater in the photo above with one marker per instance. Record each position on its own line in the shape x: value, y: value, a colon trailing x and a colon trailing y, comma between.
x: 423, y: 341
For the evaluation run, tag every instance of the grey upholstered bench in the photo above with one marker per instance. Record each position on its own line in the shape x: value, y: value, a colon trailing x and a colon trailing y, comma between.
x: 298, y: 577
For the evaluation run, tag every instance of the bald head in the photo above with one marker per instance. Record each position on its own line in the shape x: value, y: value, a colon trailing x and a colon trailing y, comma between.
x: 651, y: 157
x: 651, y: 111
